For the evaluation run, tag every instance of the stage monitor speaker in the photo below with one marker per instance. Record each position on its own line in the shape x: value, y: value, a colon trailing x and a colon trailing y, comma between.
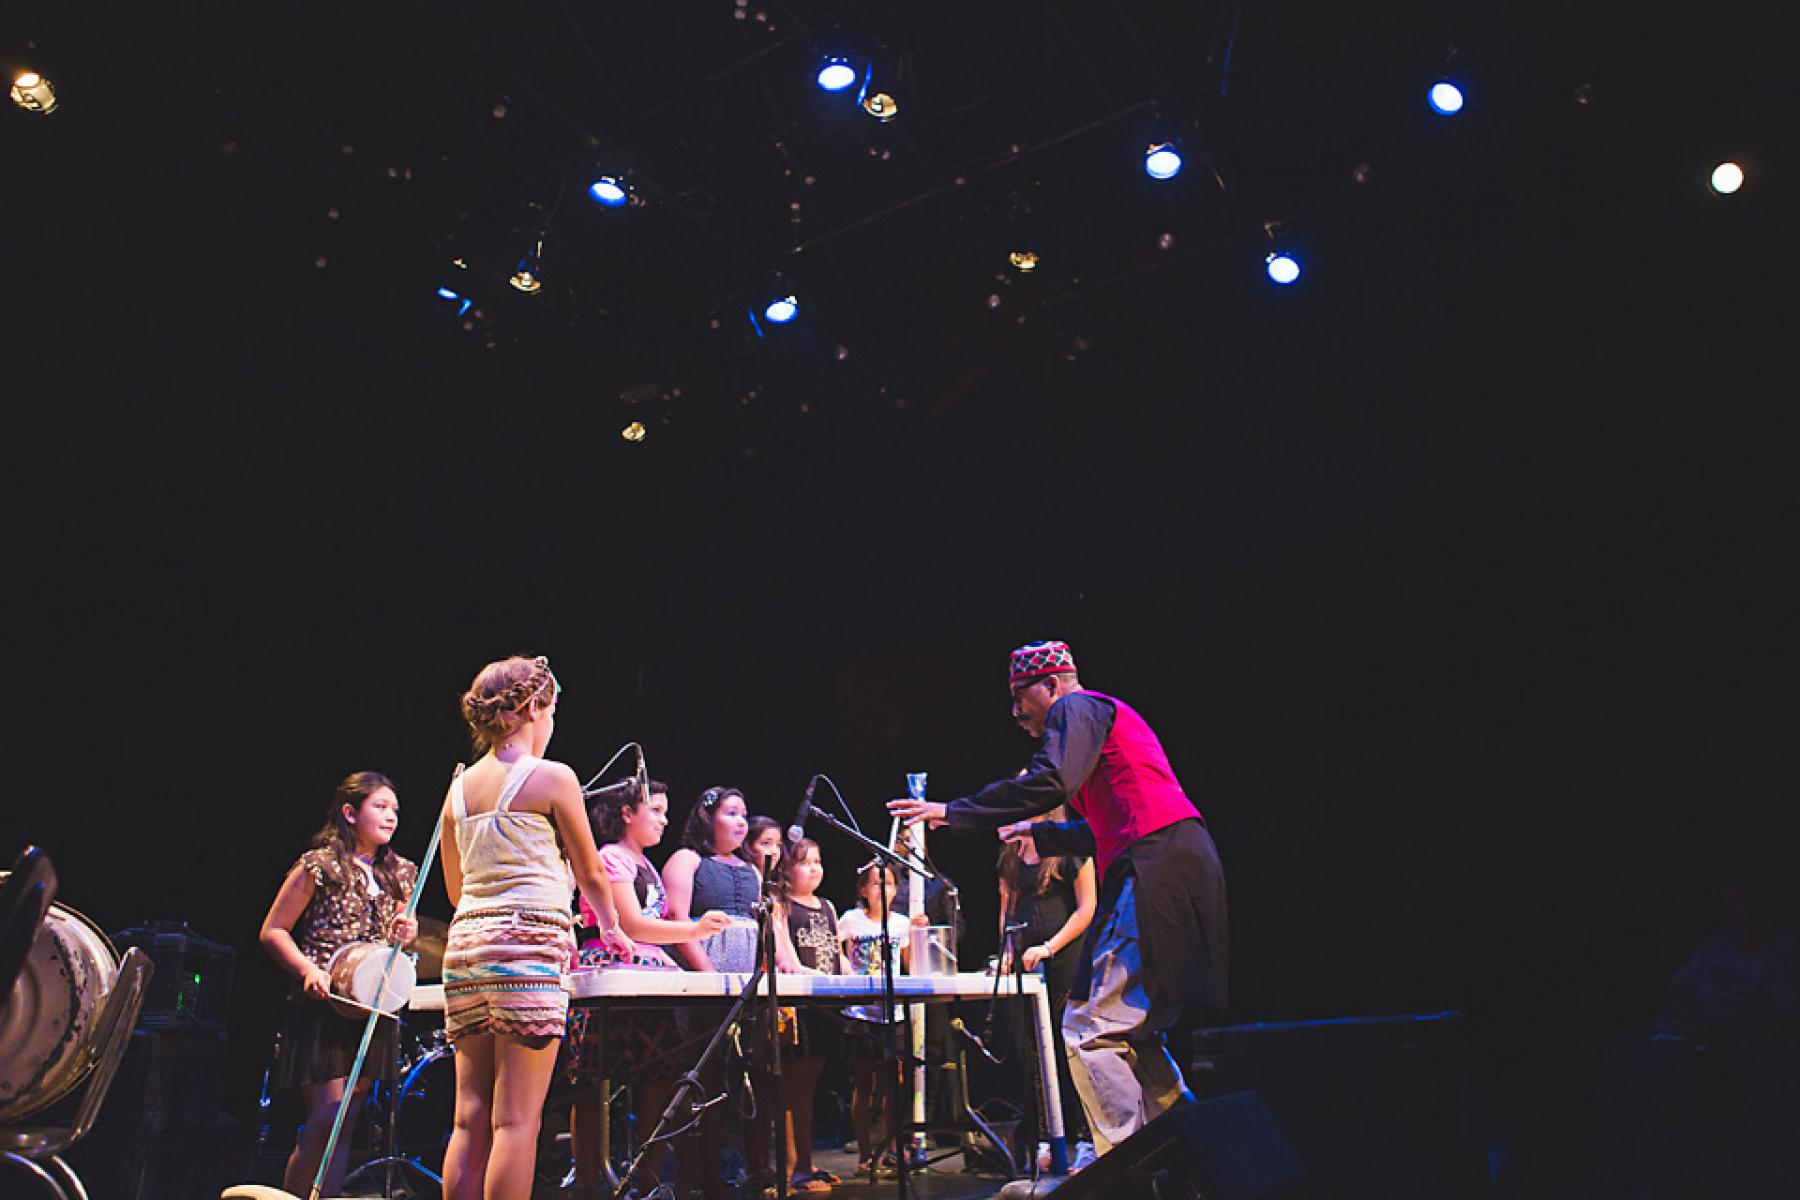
x: 1377, y: 1106
x: 1225, y: 1148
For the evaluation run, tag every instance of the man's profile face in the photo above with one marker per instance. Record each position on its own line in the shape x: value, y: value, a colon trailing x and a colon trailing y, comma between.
x: 1031, y: 701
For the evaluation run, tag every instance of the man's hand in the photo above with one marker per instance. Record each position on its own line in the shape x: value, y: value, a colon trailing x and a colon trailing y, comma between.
x: 1024, y: 837
x: 913, y: 811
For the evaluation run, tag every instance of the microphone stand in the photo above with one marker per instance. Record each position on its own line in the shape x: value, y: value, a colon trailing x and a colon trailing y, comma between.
x: 689, y: 1083
x: 766, y: 918
x: 897, y: 1073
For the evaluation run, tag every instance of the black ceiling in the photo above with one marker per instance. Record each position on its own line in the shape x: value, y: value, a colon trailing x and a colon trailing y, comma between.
x: 369, y: 146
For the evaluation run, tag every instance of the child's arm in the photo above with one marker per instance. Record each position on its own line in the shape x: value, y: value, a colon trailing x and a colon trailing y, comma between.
x: 787, y: 959
x: 577, y: 833
x: 1085, y: 898
x: 452, y: 855
x: 656, y: 930
x: 678, y: 882
x: 277, y: 935
x: 843, y: 964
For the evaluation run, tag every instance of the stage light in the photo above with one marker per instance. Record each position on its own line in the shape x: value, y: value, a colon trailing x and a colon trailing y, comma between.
x: 1162, y: 161
x: 1025, y: 260
x: 1445, y: 98
x: 33, y: 93
x: 463, y: 303
x: 610, y: 191
x: 1283, y: 267
x: 836, y: 75
x: 782, y: 310
x: 1727, y: 178
x: 528, y: 278
x: 634, y: 432
x: 881, y: 106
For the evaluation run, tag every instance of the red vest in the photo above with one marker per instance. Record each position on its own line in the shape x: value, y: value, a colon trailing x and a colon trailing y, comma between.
x: 1132, y: 791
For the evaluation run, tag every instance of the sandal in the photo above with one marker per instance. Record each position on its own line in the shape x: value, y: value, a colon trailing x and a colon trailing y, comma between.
x: 809, y: 1184
x: 825, y: 1176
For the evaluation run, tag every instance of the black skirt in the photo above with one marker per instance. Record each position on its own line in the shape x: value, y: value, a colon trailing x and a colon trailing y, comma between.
x: 318, y: 1044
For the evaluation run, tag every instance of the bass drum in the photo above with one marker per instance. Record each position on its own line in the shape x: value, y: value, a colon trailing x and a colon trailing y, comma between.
x: 427, y: 1101
x: 52, y: 1007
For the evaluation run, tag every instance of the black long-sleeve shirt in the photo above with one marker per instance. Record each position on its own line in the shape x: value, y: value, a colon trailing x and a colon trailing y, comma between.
x: 1074, y: 731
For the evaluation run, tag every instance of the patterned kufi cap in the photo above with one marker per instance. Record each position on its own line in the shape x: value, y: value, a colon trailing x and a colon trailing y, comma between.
x: 1040, y: 658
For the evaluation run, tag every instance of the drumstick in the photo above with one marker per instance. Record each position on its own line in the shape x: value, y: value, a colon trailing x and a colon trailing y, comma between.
x: 337, y: 999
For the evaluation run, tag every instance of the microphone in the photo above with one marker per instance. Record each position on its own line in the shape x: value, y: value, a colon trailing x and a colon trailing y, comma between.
x: 797, y: 830
x: 957, y: 1024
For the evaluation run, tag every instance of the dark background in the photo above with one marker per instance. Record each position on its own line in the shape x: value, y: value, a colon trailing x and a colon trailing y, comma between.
x: 1456, y: 578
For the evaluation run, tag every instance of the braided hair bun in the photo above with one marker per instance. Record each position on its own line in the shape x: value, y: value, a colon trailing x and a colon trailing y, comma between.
x: 500, y: 699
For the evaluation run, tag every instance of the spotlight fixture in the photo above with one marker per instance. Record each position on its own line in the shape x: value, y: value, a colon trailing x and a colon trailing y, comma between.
x: 837, y: 74
x: 782, y: 310
x: 1445, y: 98
x: 634, y: 432
x: 1283, y: 267
x: 33, y: 93
x: 881, y: 106
x: 1025, y: 260
x: 1162, y: 161
x: 527, y: 278
x: 1726, y: 178
x: 609, y: 191
x: 450, y: 295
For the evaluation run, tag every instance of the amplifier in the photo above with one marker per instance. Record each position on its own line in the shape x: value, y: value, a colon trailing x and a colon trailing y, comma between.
x: 192, y: 979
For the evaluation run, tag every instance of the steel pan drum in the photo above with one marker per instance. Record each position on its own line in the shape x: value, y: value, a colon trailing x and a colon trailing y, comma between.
x: 47, y: 1016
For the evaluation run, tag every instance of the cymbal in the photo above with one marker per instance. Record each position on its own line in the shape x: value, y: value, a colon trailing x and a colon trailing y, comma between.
x: 429, y: 947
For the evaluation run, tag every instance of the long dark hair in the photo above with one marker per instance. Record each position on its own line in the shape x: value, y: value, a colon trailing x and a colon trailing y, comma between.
x: 1049, y: 869
x: 697, y: 834
x: 337, y: 837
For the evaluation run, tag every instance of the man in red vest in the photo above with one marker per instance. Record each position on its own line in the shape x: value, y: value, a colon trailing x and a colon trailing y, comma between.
x: 1156, y: 948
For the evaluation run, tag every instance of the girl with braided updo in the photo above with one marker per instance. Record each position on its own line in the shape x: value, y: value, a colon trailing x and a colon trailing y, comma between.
x: 514, y: 825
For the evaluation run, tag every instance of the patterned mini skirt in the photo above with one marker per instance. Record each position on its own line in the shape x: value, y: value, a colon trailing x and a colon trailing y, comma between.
x: 503, y: 972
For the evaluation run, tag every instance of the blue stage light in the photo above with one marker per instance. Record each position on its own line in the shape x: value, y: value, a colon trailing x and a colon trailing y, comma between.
x: 1162, y: 161
x: 780, y: 312
x: 609, y: 191
x: 1283, y: 268
x: 445, y: 293
x: 836, y: 75
x: 1445, y: 98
